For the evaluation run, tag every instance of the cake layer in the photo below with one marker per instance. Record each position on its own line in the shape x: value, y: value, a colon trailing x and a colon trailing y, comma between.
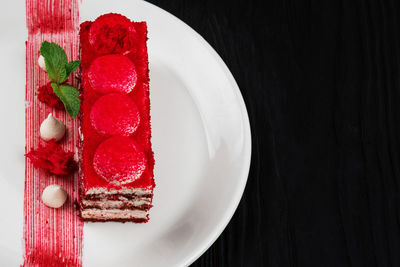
x: 114, y: 214
x: 116, y: 197
x: 143, y: 203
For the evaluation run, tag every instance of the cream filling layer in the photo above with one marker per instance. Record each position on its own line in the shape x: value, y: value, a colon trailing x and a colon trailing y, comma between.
x: 103, y: 190
x: 116, y: 204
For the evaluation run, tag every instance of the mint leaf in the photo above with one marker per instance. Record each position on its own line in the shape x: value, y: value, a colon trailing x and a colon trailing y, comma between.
x: 69, y: 96
x: 72, y: 66
x: 55, y: 60
x: 57, y: 73
x: 59, y: 69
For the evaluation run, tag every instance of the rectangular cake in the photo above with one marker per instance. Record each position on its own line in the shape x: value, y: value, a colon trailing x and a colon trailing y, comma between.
x: 116, y: 170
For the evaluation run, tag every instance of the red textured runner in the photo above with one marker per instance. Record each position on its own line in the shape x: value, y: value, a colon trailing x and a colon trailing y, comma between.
x: 52, y: 237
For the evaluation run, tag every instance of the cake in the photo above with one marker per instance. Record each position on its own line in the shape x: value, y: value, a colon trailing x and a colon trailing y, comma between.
x: 116, y: 166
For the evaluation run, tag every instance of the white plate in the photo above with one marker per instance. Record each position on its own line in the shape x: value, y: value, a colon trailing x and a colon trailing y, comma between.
x: 201, y: 140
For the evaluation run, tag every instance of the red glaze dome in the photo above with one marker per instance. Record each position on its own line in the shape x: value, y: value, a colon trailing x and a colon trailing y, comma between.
x: 112, y: 74
x: 119, y: 160
x: 115, y: 114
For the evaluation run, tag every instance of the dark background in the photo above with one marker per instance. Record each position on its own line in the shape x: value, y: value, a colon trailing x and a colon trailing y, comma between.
x: 322, y: 87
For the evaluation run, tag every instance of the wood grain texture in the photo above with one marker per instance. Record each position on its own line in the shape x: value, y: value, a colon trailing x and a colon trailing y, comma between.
x: 321, y: 84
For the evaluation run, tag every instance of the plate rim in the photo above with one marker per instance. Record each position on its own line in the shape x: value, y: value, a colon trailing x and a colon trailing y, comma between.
x: 247, y: 147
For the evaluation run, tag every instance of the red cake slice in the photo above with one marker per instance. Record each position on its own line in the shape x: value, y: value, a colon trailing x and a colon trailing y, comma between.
x: 116, y: 157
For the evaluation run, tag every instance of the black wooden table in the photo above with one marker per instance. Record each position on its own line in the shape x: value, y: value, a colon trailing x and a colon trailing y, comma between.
x: 321, y: 83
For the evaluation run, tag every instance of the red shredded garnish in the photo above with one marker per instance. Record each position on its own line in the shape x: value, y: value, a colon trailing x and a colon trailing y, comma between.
x: 47, y: 96
x: 53, y: 159
x: 112, y: 34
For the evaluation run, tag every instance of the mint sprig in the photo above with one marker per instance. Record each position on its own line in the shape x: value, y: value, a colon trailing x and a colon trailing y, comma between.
x: 69, y: 96
x: 59, y: 69
x: 72, y: 66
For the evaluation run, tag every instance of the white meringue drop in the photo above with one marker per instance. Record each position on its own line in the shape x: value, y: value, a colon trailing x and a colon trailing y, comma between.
x: 54, y: 196
x: 41, y: 63
x: 52, y: 128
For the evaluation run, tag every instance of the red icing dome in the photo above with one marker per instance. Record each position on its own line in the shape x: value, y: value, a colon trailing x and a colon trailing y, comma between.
x: 112, y: 34
x: 112, y: 73
x: 115, y: 114
x: 119, y: 160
